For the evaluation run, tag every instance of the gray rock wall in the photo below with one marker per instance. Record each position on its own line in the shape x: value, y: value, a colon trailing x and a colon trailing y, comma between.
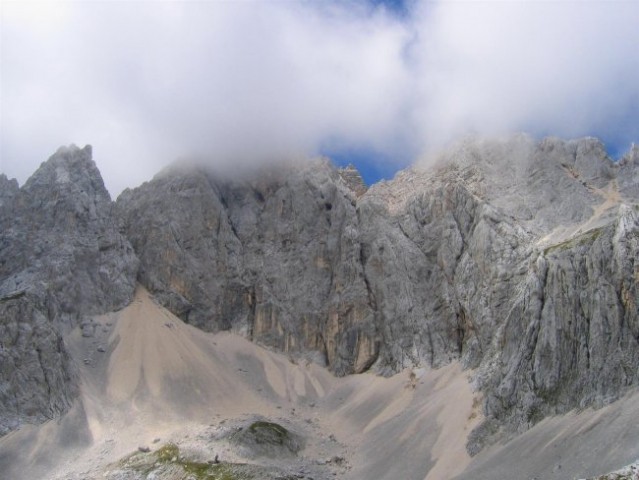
x: 571, y: 338
x: 37, y: 378
x: 62, y: 259
x: 514, y: 256
x: 275, y: 257
x: 519, y: 259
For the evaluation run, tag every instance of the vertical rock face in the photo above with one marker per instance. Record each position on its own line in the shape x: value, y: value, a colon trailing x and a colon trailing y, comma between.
x: 190, y: 257
x: 37, y: 377
x: 275, y: 256
x: 518, y: 258
x: 437, y: 267
x: 61, y: 258
x: 300, y: 237
x: 571, y: 338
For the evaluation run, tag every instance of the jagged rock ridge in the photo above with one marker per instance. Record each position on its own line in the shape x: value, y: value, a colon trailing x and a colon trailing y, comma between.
x: 61, y: 261
x: 516, y: 257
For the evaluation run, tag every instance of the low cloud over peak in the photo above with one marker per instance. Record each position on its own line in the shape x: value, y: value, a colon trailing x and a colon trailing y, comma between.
x: 147, y: 82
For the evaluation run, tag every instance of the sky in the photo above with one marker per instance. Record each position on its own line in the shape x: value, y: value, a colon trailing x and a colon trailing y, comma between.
x: 379, y: 83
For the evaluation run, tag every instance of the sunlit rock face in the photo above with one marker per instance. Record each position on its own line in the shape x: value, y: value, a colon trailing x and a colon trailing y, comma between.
x: 519, y: 258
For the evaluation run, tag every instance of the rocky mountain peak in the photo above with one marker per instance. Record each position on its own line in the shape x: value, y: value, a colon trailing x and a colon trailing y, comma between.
x: 69, y: 164
x: 353, y: 179
x: 8, y: 191
x: 72, y: 177
x: 61, y: 260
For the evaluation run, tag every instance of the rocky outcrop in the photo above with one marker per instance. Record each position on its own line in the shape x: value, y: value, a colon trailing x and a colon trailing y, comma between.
x: 571, y: 337
x: 36, y: 374
x: 61, y: 259
x: 353, y: 180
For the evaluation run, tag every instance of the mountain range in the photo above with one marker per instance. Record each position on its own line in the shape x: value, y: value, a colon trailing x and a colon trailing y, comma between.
x: 508, y: 265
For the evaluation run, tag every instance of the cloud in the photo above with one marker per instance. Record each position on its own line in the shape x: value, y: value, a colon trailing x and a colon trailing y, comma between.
x: 239, y: 82
x: 567, y: 68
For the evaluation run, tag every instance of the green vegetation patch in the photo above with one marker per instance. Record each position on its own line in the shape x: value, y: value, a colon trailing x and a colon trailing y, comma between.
x: 586, y: 238
x: 220, y: 471
x: 167, y: 453
x: 166, y: 462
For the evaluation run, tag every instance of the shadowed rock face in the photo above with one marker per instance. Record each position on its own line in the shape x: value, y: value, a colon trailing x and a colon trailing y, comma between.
x: 36, y: 374
x: 516, y: 257
x: 61, y: 259
x: 276, y: 257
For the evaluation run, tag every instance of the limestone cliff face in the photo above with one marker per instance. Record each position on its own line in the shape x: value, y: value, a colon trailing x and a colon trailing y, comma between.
x: 571, y: 337
x: 61, y: 260
x: 516, y: 257
x: 437, y: 267
x: 275, y: 256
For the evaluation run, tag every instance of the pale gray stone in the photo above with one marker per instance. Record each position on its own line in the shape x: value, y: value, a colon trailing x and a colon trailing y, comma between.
x: 516, y: 257
x: 62, y: 259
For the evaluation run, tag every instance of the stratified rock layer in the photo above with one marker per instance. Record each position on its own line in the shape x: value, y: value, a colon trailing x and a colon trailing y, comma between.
x: 61, y: 260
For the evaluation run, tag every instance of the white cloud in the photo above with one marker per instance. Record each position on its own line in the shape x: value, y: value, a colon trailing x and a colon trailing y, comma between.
x: 564, y: 67
x: 147, y: 82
